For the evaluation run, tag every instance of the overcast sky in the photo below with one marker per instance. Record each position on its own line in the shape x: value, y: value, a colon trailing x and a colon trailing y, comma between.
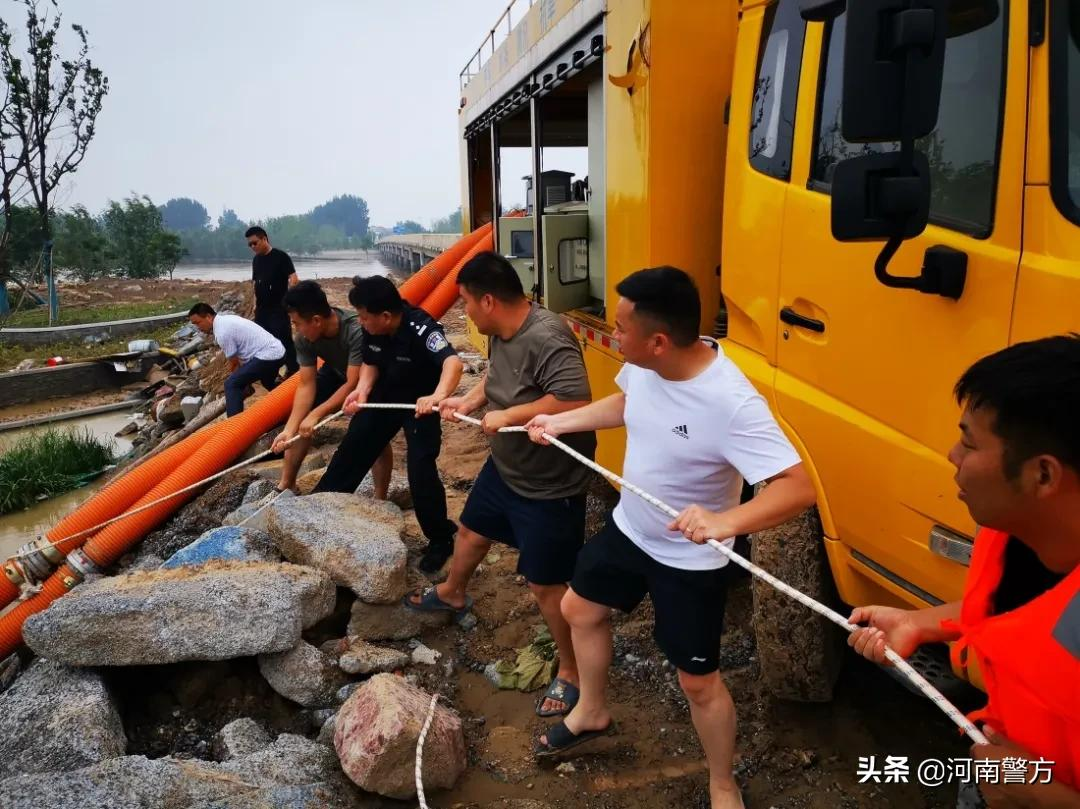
x: 273, y: 106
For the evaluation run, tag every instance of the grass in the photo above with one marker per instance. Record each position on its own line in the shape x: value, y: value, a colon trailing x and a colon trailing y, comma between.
x: 49, y: 463
x: 74, y: 315
x: 12, y: 355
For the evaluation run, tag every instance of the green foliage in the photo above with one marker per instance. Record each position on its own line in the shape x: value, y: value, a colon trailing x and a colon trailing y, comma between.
x: 45, y: 464
x: 140, y: 246
x: 11, y: 354
x: 80, y: 246
x: 448, y: 224
x: 408, y: 226
x: 347, y: 213
x: 182, y: 214
x: 71, y: 315
x: 230, y: 221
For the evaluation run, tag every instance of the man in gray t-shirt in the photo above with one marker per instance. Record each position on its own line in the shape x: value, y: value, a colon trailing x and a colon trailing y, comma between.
x: 527, y: 496
x: 334, y: 336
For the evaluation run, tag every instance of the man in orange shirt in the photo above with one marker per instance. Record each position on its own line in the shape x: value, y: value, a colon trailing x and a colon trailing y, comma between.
x: 1018, y: 470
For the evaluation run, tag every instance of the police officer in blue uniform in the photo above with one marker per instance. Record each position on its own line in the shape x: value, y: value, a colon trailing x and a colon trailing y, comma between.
x: 407, y: 358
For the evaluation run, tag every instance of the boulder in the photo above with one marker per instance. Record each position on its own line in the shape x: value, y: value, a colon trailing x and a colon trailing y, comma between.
x: 291, y: 773
x: 228, y: 543
x: 171, y: 411
x: 258, y: 490
x: 398, y: 492
x: 218, y: 611
x: 241, y: 737
x: 253, y: 514
x: 55, y: 718
x: 393, y: 622
x: 306, y: 483
x: 362, y: 657
x: 358, y: 543
x: 303, y: 674
x: 375, y: 735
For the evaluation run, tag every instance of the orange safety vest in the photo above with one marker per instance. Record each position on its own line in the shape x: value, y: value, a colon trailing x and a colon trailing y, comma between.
x: 1029, y: 658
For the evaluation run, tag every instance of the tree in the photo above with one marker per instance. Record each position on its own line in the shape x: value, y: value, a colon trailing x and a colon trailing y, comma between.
x: 230, y: 221
x: 82, y: 248
x: 182, y: 213
x: 52, y: 109
x: 347, y: 213
x: 408, y: 226
x: 448, y: 224
x: 142, y: 248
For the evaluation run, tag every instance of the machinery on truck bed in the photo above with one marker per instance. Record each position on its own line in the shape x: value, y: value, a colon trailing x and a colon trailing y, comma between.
x: 869, y: 195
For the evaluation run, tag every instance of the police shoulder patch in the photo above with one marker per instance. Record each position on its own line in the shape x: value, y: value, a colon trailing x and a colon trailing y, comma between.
x: 436, y: 341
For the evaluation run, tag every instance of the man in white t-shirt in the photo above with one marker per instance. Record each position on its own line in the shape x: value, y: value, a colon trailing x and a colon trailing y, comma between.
x: 696, y: 428
x: 252, y: 352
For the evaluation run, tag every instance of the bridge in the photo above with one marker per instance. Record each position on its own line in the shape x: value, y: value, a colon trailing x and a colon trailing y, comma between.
x: 413, y: 251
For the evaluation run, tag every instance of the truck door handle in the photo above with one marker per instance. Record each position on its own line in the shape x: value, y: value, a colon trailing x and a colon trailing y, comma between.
x: 793, y: 318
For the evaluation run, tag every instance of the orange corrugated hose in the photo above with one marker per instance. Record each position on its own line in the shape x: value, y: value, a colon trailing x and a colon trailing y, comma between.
x: 419, y: 285
x: 232, y: 437
x: 443, y: 296
x: 114, y: 499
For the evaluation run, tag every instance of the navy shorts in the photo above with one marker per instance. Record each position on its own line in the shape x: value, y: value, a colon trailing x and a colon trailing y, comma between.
x: 327, y: 382
x: 547, y: 533
x: 689, y: 604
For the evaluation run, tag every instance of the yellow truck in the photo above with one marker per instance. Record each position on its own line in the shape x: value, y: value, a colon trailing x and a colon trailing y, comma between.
x: 870, y: 195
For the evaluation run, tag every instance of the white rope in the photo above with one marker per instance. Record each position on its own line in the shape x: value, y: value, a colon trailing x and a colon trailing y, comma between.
x: 420, y: 752
x: 902, y: 665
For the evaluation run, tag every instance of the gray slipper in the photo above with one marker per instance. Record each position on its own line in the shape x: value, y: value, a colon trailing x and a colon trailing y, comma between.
x: 430, y: 602
x: 562, y: 691
x: 560, y: 739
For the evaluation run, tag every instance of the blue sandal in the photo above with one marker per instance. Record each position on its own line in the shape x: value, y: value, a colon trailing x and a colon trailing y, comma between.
x: 560, y: 739
x: 430, y: 602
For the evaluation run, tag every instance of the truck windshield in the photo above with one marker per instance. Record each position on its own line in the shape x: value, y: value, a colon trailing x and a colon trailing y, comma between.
x: 1065, y: 107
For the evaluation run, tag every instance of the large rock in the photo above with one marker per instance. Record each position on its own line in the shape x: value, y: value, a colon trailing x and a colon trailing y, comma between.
x: 357, y: 542
x: 292, y: 773
x: 253, y: 514
x: 228, y: 543
x: 397, y: 493
x: 394, y: 622
x: 56, y: 718
x: 303, y: 674
x: 375, y: 735
x: 362, y: 657
x: 215, y: 612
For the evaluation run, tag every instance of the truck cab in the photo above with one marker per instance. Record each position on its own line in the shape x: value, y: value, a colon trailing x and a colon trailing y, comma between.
x: 712, y: 135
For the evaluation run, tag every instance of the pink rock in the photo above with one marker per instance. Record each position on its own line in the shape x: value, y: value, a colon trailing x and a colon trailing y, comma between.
x: 375, y: 736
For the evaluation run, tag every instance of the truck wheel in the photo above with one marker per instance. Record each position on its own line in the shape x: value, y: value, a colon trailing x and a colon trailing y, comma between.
x: 799, y: 651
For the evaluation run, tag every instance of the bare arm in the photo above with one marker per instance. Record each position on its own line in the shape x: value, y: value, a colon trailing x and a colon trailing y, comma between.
x: 601, y: 415
x: 302, y: 400
x: 466, y: 404
x: 903, y: 630
x: 294, y: 279
x: 452, y: 368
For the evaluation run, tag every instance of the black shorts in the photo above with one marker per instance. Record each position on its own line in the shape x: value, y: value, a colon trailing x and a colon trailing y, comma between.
x: 689, y: 604
x: 547, y: 533
x: 327, y: 382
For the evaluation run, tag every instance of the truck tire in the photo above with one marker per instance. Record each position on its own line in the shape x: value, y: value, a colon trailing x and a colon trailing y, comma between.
x: 799, y: 652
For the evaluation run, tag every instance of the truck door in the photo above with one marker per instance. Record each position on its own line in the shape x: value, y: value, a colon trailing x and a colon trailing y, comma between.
x: 865, y: 373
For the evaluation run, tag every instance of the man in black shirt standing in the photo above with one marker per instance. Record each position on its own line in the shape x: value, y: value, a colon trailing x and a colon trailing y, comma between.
x: 407, y: 358
x: 273, y: 273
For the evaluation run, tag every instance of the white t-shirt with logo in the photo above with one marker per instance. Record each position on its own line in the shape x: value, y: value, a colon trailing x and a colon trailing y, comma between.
x: 693, y: 442
x: 243, y: 338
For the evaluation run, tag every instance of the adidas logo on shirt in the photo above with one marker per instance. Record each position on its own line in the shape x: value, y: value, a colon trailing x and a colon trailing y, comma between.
x: 680, y: 431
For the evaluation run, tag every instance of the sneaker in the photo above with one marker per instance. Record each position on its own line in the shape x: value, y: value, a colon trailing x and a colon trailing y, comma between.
x: 434, y: 558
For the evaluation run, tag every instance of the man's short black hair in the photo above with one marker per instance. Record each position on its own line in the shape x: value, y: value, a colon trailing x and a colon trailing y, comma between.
x: 667, y: 296
x: 489, y: 273
x: 202, y: 310
x: 307, y: 299
x: 376, y: 294
x: 255, y: 230
x: 1033, y: 390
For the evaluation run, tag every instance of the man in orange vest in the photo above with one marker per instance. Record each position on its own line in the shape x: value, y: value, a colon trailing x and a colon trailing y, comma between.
x: 1018, y: 471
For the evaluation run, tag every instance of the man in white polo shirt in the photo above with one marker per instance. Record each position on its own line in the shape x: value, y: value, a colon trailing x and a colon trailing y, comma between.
x: 252, y: 352
x: 696, y: 428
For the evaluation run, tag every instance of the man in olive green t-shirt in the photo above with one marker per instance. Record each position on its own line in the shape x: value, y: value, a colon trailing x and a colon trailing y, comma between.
x: 527, y: 496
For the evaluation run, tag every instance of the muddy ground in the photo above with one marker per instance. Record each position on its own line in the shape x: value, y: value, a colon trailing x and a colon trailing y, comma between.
x: 789, y: 755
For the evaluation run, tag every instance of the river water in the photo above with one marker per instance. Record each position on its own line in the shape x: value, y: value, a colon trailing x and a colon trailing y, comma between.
x: 333, y: 264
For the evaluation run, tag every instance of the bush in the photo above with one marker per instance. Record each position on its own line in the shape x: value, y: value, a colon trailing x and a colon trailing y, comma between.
x: 49, y: 463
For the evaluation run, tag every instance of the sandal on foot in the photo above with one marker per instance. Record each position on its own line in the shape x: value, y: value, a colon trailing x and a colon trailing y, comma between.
x: 430, y: 602
x: 562, y: 691
x: 560, y: 739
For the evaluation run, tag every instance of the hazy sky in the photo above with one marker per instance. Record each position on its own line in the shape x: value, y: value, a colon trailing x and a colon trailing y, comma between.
x: 272, y: 107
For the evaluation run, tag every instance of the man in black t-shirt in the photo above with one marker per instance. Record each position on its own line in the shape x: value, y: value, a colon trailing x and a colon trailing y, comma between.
x: 407, y: 358
x: 272, y: 273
